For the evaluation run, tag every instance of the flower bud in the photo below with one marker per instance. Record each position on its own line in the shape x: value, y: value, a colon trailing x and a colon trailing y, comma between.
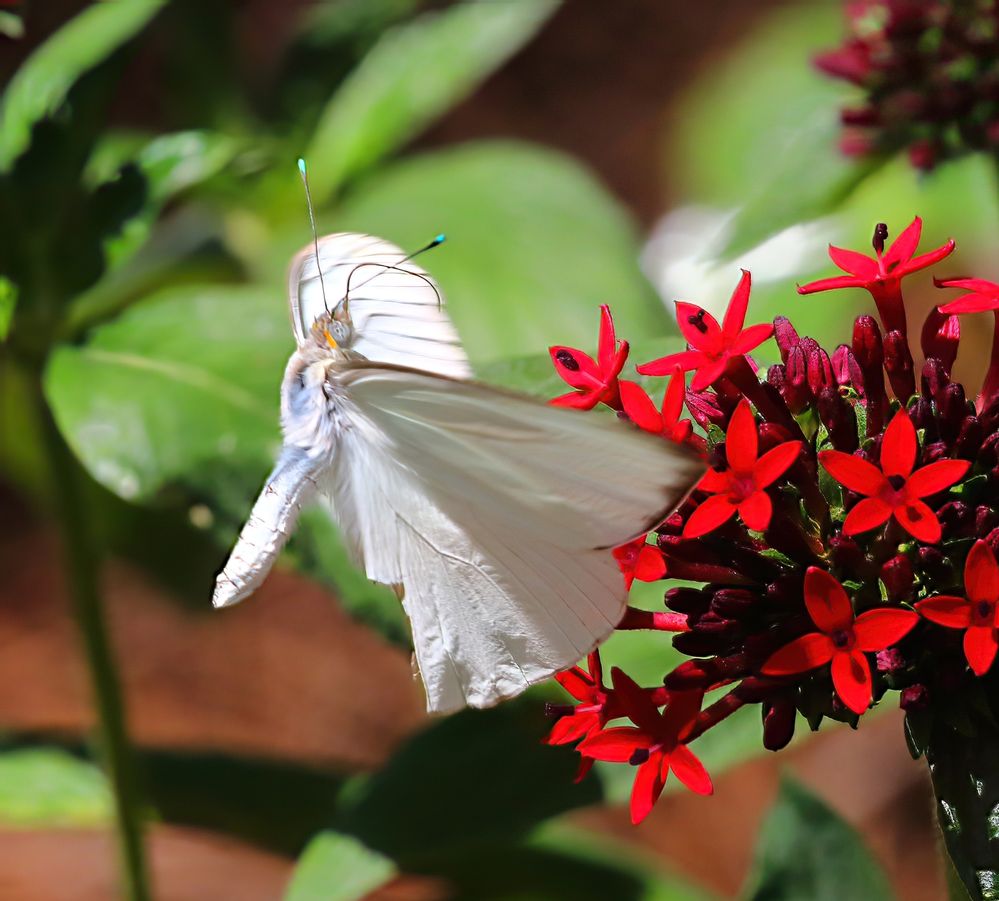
x: 785, y: 336
x: 796, y: 391
x: 933, y: 562
x: 846, y: 554
x: 867, y: 346
x: 969, y: 439
x: 953, y: 411
x: 692, y: 601
x: 733, y: 602
x: 898, y: 577
x: 921, y: 414
x: 889, y: 661
x: 846, y: 369
x: 986, y: 519
x: 704, y: 407
x: 778, y: 723
x: 898, y: 365
x: 818, y: 368
x: 940, y: 337
x: 933, y: 380
x: 915, y: 697
x: 957, y: 518
x: 838, y: 417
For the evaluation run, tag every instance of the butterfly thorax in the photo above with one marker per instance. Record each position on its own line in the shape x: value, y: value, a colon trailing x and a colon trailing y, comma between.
x: 312, y: 403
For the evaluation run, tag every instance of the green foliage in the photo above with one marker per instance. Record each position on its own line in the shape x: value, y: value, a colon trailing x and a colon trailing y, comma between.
x: 445, y: 777
x: 46, y: 787
x: 43, y: 82
x: 338, y: 867
x: 534, y: 245
x: 415, y: 72
x: 807, y: 851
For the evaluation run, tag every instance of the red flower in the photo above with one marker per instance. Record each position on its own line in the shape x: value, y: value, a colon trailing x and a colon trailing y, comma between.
x: 977, y: 613
x: 882, y: 275
x: 666, y: 422
x: 894, y: 489
x: 982, y: 296
x: 841, y: 639
x: 592, y: 712
x: 710, y: 346
x: 641, y: 561
x: 595, y: 381
x: 655, y: 746
x: 743, y: 485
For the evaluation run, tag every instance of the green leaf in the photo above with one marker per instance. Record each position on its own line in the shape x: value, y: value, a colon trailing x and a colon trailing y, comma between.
x: 790, y: 171
x: 478, y: 777
x: 49, y: 787
x: 338, y: 867
x: 182, y: 389
x: 8, y: 300
x: 807, y: 851
x: 534, y: 245
x: 40, y: 85
x: 412, y: 75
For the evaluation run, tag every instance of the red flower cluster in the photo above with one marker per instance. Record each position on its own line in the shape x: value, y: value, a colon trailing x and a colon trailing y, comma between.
x: 842, y: 543
x: 926, y: 76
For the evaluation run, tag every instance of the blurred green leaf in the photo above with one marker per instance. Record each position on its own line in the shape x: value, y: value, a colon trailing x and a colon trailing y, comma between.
x: 414, y: 73
x: 40, y: 85
x: 535, y: 245
x: 274, y: 804
x: 807, y: 851
x: 474, y: 778
x: 762, y: 131
x: 8, y: 300
x: 338, y: 867
x: 50, y: 787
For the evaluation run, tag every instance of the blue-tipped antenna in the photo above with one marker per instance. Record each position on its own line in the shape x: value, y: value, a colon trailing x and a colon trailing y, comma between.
x: 315, y: 234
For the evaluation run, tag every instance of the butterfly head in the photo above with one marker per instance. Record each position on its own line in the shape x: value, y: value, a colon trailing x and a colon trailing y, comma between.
x: 334, y: 331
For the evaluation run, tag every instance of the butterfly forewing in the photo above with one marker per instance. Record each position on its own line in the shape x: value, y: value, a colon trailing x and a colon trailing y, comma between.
x: 396, y: 308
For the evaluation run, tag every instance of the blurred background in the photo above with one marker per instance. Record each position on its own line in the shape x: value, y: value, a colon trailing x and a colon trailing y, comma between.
x: 579, y: 153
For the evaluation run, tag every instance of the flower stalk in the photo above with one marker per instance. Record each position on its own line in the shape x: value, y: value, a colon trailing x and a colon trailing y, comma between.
x: 82, y: 558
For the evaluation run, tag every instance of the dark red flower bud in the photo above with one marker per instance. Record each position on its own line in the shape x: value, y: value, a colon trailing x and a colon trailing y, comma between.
x: 820, y: 374
x: 846, y: 553
x: 867, y: 346
x: 754, y: 689
x: 956, y: 517
x: 733, y: 602
x: 898, y: 365
x: 846, y: 369
x: 933, y: 379
x: 934, y: 452
x: 704, y: 407
x: 933, y: 562
x: 954, y: 410
x: 778, y: 723
x: 796, y: 391
x: 687, y: 600
x: 940, y: 337
x: 711, y: 623
x: 840, y: 420
x: 969, y: 439
x: 890, y: 661
x: 865, y: 116
x: 898, y: 577
x: 986, y: 519
x: 915, y: 697
x: 785, y: 336
x: 700, y: 644
x: 921, y: 414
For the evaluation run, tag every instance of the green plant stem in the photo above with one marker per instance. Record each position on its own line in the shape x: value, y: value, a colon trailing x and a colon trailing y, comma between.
x: 82, y: 559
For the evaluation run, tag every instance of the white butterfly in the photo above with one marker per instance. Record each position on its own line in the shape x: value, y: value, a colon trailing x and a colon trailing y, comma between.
x: 493, y: 514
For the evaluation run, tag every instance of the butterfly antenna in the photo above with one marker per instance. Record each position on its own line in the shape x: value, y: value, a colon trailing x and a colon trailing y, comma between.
x: 440, y: 239
x: 315, y: 234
